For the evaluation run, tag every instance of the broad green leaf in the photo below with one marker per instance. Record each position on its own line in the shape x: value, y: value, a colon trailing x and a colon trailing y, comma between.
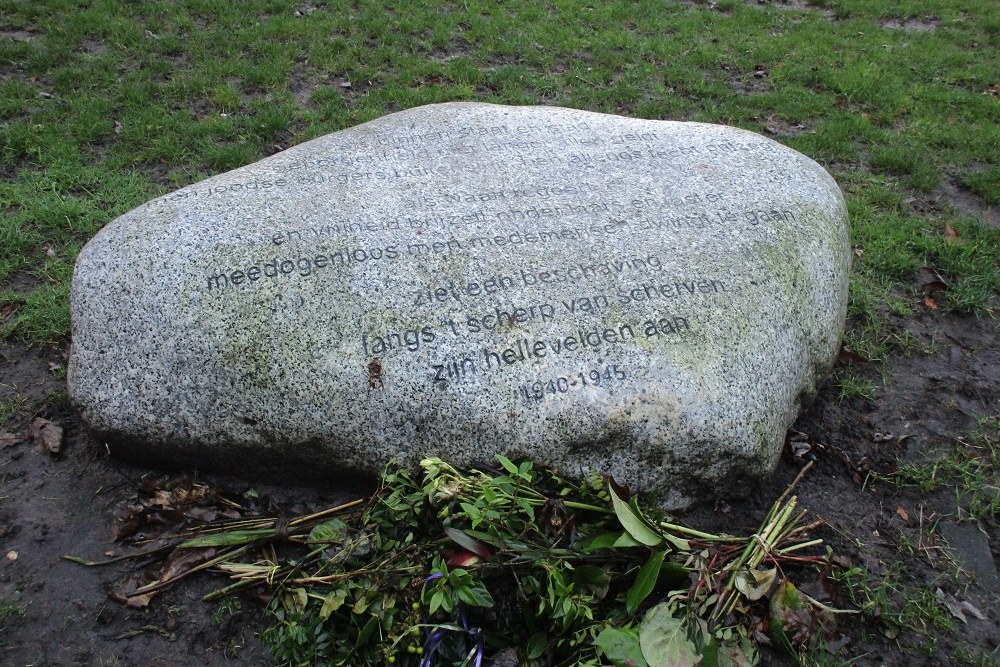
x: 366, y: 632
x: 507, y: 464
x: 602, y: 541
x: 475, y: 595
x: 591, y: 578
x: 633, y: 522
x: 333, y: 530
x: 679, y: 543
x: 467, y: 542
x: 621, y: 647
x: 536, y: 645
x: 625, y: 541
x: 644, y: 582
x: 492, y: 540
x: 332, y: 602
x: 229, y: 539
x: 295, y: 600
x: 664, y: 640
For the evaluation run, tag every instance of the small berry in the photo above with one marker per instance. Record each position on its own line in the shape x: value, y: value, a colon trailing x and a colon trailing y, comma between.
x: 415, y: 606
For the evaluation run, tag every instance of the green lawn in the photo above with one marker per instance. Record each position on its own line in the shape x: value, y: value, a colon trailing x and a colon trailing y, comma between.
x: 106, y: 104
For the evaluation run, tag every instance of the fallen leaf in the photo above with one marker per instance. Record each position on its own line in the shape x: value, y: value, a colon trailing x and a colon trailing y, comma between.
x: 834, y: 646
x: 849, y: 356
x: 902, y: 513
x: 663, y: 639
x: 9, y: 440
x: 126, y: 526
x: 755, y: 584
x: 49, y: 250
x: 47, y: 434
x: 118, y: 127
x: 953, y: 606
x: 950, y: 235
x: 180, y: 561
x: 971, y: 608
x: 930, y: 303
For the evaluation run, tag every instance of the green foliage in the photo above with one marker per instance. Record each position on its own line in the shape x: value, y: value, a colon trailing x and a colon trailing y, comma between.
x: 465, y: 563
x: 9, y: 610
x: 971, y: 468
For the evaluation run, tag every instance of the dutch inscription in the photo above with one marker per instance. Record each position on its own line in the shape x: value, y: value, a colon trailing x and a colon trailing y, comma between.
x: 650, y: 299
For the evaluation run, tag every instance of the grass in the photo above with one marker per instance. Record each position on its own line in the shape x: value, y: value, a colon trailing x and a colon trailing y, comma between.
x: 971, y: 469
x: 106, y: 105
x: 898, y: 608
x: 9, y: 610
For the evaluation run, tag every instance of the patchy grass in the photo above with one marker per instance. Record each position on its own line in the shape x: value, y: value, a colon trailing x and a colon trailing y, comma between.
x: 971, y: 470
x: 9, y: 610
x: 107, y: 105
x: 897, y: 607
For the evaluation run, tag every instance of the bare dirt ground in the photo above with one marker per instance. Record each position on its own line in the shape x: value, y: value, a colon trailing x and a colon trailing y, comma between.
x: 925, y: 404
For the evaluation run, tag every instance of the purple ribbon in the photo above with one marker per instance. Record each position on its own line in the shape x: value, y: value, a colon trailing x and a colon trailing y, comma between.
x: 435, y: 638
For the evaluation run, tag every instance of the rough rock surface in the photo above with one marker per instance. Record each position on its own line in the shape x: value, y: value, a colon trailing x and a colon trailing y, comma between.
x: 649, y: 299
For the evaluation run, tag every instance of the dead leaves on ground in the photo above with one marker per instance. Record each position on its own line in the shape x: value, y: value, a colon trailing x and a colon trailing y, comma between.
x: 163, y: 503
x: 159, y: 510
x: 10, y: 439
x: 48, y: 435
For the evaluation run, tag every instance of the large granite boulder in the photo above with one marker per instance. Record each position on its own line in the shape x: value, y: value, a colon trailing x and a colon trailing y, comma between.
x: 649, y: 299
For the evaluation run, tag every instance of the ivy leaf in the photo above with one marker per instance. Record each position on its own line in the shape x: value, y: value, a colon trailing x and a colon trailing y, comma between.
x: 633, y: 522
x: 664, y: 641
x: 644, y: 582
x: 621, y: 647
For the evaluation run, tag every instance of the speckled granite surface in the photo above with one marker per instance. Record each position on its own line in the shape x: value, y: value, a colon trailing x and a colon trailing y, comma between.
x: 650, y: 299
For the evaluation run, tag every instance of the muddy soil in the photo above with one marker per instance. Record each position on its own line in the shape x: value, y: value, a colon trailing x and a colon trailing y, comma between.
x: 926, y: 403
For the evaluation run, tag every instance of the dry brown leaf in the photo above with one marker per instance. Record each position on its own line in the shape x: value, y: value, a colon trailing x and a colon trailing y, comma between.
x: 181, y: 560
x: 47, y: 434
x: 903, y: 514
x: 930, y: 303
x: 972, y: 609
x: 950, y: 235
x: 126, y: 527
x: 953, y: 606
x: 9, y: 439
x: 849, y: 356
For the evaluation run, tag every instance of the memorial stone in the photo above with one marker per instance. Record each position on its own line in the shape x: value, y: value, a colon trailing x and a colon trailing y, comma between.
x: 647, y: 299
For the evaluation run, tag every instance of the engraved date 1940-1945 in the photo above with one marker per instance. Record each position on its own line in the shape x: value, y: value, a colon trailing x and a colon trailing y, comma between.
x: 595, y: 377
